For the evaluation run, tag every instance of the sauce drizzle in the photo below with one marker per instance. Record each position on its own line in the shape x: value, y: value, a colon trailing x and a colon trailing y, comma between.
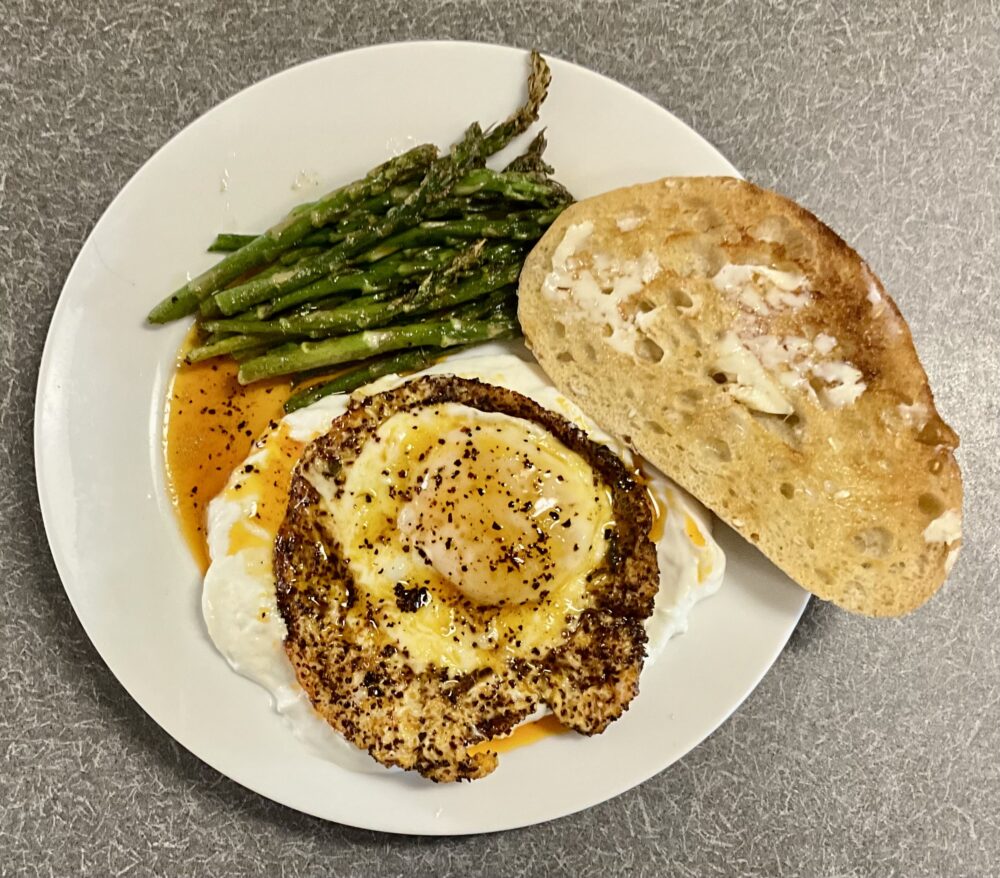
x: 210, y: 424
x: 529, y: 733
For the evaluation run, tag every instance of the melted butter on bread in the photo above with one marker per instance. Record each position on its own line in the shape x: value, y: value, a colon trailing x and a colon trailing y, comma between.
x: 762, y: 362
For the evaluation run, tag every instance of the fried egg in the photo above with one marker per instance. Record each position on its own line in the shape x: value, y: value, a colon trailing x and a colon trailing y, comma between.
x: 502, y: 511
x: 482, y: 509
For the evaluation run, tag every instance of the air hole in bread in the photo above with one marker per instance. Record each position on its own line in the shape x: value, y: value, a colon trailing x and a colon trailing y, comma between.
x: 720, y: 449
x: 643, y: 305
x: 935, y: 466
x: 824, y: 576
x: 607, y: 330
x: 559, y: 329
x: 873, y: 541
x: 564, y: 357
x: 754, y: 537
x: 719, y: 377
x: 589, y: 351
x: 787, y: 490
x: 649, y: 350
x: 655, y: 427
x: 681, y: 299
x: 930, y: 505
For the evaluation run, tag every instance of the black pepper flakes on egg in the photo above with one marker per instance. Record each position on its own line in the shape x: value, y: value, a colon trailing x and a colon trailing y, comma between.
x: 424, y: 717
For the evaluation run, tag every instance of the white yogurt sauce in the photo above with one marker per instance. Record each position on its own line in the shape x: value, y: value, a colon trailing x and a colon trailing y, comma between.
x: 239, y: 602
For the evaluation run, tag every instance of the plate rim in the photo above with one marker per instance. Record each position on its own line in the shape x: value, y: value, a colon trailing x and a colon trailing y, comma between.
x: 56, y: 548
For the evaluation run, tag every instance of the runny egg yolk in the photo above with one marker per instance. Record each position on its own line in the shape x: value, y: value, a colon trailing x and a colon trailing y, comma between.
x: 471, y: 533
x: 693, y: 532
x: 499, y: 510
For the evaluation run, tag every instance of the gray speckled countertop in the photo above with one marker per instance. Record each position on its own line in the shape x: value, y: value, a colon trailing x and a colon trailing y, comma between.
x: 872, y: 748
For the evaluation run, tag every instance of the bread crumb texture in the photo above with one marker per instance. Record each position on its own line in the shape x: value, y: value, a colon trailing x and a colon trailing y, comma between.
x: 740, y: 345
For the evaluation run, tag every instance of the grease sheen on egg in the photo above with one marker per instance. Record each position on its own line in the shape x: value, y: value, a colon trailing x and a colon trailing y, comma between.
x: 473, y: 532
x: 239, y: 597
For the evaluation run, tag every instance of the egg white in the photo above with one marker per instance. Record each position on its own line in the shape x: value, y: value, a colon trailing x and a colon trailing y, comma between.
x: 239, y: 602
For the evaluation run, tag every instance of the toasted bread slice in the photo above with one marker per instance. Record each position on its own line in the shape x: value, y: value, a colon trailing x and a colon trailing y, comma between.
x: 737, y: 343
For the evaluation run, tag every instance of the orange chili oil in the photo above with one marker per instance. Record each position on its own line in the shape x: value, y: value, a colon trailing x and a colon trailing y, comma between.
x: 210, y: 424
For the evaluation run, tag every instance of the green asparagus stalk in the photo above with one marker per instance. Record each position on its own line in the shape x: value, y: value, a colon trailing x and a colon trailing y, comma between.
x: 521, y: 226
x: 291, y: 230
x: 262, y: 347
x: 392, y: 267
x: 531, y: 161
x: 370, y: 342
x: 384, y: 278
x: 325, y: 304
x: 519, y: 187
x: 228, y: 242
x: 400, y: 238
x: 475, y: 271
x: 469, y: 151
x: 499, y: 303
x: 233, y: 344
x: 208, y: 307
x: 514, y: 186
x: 438, y: 182
x: 468, y: 206
x: 381, y: 275
x: 367, y: 312
x: 381, y: 203
x: 405, y: 361
x: 525, y: 185
x: 522, y: 118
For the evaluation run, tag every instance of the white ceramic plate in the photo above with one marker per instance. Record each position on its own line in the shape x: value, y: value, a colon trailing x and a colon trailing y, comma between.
x: 98, y: 427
